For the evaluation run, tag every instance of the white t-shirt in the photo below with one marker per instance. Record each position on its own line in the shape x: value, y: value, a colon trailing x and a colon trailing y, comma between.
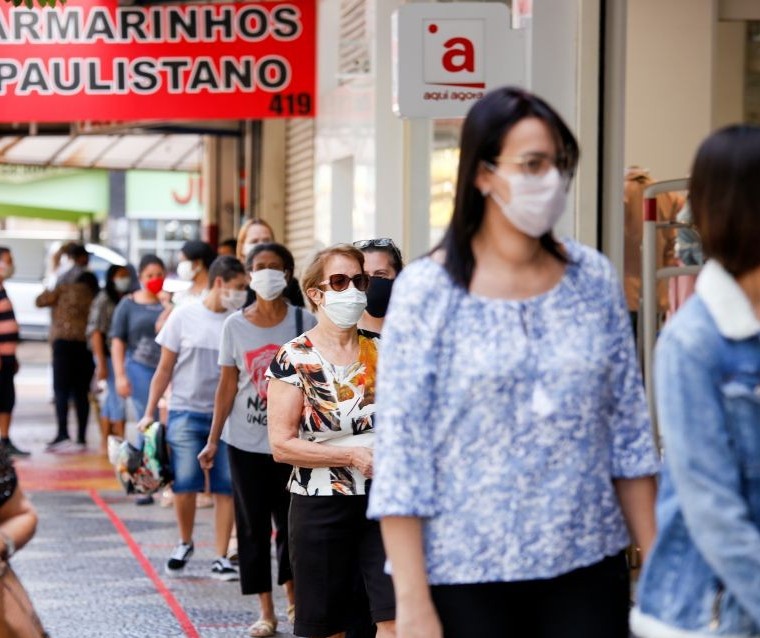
x: 251, y: 349
x: 192, y: 331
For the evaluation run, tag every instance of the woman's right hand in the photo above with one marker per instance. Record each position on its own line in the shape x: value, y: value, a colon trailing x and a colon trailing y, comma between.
x: 361, y: 459
x: 101, y: 373
x: 206, y: 456
x: 417, y: 620
x: 144, y: 423
x: 123, y: 387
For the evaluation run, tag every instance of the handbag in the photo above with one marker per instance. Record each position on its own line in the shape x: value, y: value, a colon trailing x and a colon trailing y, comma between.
x: 17, y: 616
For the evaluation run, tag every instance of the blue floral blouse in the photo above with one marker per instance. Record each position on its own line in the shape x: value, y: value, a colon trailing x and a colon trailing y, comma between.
x: 502, y: 423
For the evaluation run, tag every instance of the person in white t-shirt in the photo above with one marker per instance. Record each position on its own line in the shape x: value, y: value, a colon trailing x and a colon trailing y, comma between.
x: 189, y: 352
x: 250, y: 339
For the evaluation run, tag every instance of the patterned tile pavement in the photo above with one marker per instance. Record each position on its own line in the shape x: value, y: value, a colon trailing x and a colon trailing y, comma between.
x: 95, y: 568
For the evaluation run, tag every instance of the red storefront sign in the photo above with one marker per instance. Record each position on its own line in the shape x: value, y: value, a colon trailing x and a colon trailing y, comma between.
x: 89, y: 60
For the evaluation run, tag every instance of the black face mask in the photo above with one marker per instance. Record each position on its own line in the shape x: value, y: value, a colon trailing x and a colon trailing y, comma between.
x: 378, y: 296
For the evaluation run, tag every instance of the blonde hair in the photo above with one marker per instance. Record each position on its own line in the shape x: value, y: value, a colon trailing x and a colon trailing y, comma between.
x: 254, y: 221
x: 315, y: 271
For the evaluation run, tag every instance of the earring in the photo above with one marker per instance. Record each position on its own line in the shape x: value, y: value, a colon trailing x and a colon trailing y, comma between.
x: 485, y: 192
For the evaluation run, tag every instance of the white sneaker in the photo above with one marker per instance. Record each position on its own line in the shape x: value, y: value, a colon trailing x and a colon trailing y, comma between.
x: 222, y: 569
x: 179, y: 558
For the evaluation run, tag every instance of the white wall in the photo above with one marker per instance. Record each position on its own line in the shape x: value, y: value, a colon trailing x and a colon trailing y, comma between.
x: 669, y: 85
x: 730, y: 68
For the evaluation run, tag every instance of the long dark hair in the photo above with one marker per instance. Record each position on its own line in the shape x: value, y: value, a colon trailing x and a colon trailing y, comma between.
x: 483, y: 133
x: 110, y: 288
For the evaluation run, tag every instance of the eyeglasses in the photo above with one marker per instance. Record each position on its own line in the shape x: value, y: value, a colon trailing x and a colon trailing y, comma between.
x: 536, y: 164
x: 380, y: 242
x: 340, y: 282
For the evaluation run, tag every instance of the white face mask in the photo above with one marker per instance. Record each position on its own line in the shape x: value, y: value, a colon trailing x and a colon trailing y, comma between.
x: 248, y: 247
x: 6, y: 270
x: 344, y: 308
x: 268, y: 283
x: 185, y: 270
x: 232, y: 299
x: 536, y: 203
x: 122, y: 284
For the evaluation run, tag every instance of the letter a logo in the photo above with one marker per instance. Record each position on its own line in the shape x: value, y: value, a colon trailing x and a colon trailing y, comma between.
x: 459, y: 56
x: 453, y: 51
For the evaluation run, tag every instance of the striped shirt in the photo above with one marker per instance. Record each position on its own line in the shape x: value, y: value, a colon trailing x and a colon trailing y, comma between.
x: 8, y: 326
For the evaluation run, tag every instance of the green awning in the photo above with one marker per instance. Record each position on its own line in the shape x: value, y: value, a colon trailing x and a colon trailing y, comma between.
x: 38, y: 212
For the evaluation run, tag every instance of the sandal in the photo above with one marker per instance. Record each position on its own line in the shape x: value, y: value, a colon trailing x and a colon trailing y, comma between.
x: 291, y: 612
x: 262, y: 628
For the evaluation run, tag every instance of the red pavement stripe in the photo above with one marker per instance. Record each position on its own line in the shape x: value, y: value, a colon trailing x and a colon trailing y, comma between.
x: 176, y: 608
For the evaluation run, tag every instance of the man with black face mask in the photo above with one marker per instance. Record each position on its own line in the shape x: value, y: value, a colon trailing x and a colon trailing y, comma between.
x: 383, y: 263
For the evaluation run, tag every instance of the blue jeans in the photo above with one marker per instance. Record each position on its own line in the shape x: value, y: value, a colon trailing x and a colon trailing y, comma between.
x: 113, y: 405
x: 139, y: 376
x: 187, y: 433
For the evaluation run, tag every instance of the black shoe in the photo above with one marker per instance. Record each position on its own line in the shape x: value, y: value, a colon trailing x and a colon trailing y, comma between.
x: 145, y: 499
x: 179, y: 558
x: 13, y: 450
x: 59, y: 443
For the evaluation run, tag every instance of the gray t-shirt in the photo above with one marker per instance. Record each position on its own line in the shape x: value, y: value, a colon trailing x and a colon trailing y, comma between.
x: 251, y: 349
x: 135, y: 324
x: 192, y: 332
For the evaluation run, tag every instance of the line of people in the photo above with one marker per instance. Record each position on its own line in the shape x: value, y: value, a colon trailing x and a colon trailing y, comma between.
x: 471, y: 455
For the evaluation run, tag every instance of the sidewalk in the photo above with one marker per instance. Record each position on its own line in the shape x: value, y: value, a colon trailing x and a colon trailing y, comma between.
x: 95, y: 568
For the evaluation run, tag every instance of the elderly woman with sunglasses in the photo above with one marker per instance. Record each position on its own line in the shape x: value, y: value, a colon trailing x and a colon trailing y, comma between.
x: 321, y: 420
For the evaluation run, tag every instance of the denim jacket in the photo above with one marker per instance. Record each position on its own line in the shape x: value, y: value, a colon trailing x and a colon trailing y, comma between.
x: 702, y: 577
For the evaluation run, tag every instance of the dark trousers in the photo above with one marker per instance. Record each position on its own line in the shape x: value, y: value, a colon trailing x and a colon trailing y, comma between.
x: 590, y: 602
x: 259, y: 490
x: 72, y: 373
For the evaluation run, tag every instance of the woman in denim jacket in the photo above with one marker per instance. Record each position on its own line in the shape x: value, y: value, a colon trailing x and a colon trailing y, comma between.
x: 702, y: 577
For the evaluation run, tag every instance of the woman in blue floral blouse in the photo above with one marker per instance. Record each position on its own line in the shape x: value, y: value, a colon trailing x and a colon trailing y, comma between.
x: 513, y: 453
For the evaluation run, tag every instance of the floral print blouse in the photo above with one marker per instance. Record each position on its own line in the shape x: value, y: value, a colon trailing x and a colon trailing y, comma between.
x: 502, y: 424
x: 339, y: 409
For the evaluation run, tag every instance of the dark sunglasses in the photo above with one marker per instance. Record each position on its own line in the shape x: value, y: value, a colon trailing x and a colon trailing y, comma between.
x: 380, y: 242
x: 340, y: 282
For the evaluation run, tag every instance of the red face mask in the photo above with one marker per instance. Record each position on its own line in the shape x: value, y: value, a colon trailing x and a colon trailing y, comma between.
x: 154, y: 285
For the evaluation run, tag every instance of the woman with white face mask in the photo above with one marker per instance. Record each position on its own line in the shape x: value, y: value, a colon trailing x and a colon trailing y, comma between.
x: 252, y: 233
x: 321, y: 421
x: 189, y: 351
x: 514, y: 453
x: 119, y: 282
x: 195, y: 258
x: 250, y: 339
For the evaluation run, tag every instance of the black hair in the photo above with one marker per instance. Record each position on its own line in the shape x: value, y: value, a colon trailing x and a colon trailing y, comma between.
x: 225, y: 267
x: 76, y: 250
x: 197, y: 249
x: 724, y: 191
x: 230, y: 243
x: 110, y: 288
x: 397, y: 261
x: 278, y: 249
x: 4, y: 250
x: 150, y: 260
x: 487, y: 124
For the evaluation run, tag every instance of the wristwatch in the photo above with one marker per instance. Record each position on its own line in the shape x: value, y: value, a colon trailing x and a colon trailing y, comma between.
x: 10, y: 546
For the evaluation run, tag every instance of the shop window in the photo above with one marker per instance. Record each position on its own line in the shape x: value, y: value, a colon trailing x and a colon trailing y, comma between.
x: 752, y: 76
x: 444, y: 161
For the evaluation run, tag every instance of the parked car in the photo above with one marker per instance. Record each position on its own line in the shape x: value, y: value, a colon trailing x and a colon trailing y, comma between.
x: 32, y: 258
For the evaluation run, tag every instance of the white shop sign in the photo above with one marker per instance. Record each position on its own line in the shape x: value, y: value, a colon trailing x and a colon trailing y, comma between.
x: 447, y: 55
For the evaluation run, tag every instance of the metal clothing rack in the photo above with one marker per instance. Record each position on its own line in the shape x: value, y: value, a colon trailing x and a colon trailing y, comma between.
x: 650, y: 275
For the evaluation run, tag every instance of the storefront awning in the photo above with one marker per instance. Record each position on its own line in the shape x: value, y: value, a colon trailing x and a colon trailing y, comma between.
x: 39, y: 212
x: 170, y: 152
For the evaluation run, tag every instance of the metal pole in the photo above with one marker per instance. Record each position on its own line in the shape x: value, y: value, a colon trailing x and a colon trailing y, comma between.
x: 248, y: 167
